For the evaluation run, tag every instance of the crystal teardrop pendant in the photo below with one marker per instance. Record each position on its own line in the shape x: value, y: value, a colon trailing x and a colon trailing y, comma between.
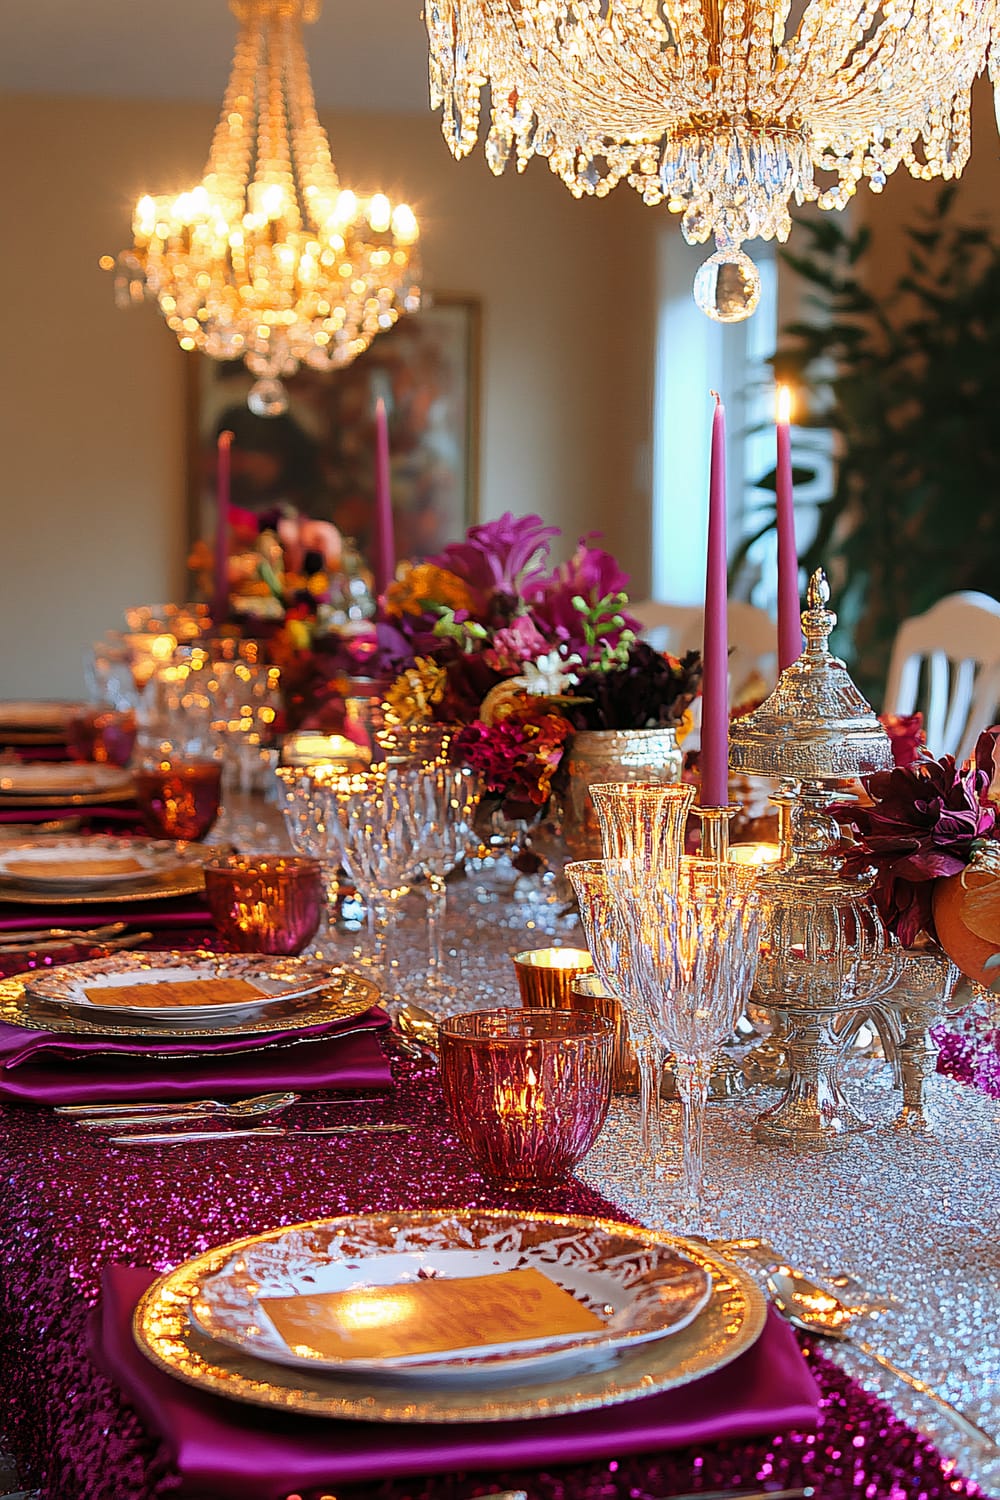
x: 267, y: 397
x: 727, y: 286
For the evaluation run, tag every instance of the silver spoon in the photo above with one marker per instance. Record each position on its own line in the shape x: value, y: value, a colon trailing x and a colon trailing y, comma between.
x: 816, y: 1310
x: 417, y: 1026
x: 238, y: 1109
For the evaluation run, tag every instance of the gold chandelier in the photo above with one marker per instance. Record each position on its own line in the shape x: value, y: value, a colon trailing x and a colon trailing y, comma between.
x: 269, y: 259
x: 724, y: 109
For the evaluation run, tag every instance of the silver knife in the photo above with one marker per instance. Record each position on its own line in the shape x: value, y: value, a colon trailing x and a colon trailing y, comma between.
x: 181, y: 1137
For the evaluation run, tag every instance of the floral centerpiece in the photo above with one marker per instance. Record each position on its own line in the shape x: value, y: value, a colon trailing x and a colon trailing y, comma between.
x: 932, y: 833
x: 286, y: 578
x: 522, y: 656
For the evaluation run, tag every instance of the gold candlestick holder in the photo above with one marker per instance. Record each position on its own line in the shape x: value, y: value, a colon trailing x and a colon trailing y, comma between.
x: 825, y: 950
x: 715, y: 823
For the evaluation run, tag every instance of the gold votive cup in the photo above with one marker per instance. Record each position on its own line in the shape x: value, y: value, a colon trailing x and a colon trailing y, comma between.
x: 588, y: 993
x: 545, y: 975
x: 266, y: 903
x: 758, y: 854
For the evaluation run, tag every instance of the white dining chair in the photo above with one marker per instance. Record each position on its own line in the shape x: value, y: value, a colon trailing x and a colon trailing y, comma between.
x: 946, y: 663
x: 753, y: 637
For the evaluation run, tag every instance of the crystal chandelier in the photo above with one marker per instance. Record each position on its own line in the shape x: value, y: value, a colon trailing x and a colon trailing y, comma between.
x: 723, y: 109
x: 269, y: 259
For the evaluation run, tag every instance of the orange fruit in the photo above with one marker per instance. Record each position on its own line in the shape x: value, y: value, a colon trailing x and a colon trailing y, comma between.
x: 967, y: 918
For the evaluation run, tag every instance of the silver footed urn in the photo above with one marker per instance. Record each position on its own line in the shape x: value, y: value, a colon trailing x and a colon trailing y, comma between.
x: 825, y: 951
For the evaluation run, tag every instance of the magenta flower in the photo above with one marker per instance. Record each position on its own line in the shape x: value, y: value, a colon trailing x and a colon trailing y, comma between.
x: 925, y: 821
x: 497, y: 556
x: 521, y: 642
x: 906, y: 736
x: 580, y: 605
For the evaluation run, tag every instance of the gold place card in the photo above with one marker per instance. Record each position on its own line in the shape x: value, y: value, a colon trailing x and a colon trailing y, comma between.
x: 166, y: 993
x: 435, y: 1316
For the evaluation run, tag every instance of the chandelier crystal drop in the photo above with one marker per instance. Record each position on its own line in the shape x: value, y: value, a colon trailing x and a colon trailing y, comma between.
x: 269, y: 259
x: 726, y: 110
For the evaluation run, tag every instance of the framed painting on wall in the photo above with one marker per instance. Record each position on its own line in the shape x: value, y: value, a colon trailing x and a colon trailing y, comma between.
x: 319, y: 455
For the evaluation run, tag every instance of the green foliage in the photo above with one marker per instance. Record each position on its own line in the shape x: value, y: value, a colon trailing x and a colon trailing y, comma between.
x: 909, y: 385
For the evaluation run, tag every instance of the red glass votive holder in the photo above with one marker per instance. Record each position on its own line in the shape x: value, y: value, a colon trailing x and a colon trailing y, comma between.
x: 102, y: 735
x: 266, y: 903
x: 527, y: 1090
x: 179, y: 799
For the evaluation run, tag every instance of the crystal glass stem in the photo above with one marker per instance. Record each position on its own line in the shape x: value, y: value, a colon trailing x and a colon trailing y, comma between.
x: 437, y: 902
x: 324, y: 944
x: 379, y: 922
x: 693, y: 1077
x: 650, y: 1063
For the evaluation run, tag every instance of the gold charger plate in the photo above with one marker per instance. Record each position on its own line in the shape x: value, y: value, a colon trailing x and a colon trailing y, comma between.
x: 731, y: 1322
x: 346, y: 996
x: 181, y: 883
x: 15, y: 802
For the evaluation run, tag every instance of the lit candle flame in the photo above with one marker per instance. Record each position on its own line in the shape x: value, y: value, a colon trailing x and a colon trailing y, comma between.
x: 784, y: 404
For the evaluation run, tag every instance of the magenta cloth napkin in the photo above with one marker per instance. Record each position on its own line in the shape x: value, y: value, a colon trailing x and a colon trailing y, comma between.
x: 171, y: 911
x: 41, y: 1067
x: 227, y: 1449
x: 126, y: 814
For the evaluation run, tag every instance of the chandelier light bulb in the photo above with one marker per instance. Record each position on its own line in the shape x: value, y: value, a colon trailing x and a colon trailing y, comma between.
x: 727, y: 111
x: 268, y: 259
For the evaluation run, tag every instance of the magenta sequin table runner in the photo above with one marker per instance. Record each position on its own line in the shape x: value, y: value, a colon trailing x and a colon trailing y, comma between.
x: 72, y: 1205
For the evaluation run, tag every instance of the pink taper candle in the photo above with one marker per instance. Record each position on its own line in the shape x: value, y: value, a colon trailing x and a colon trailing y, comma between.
x: 715, y: 655
x: 220, y: 580
x: 789, y: 608
x: 383, y: 536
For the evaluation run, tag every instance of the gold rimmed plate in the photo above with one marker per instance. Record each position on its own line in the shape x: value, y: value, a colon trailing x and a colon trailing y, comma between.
x: 185, y: 882
x: 730, y: 1323
x: 344, y: 996
x: 36, y: 716
x: 95, y: 862
x: 69, y: 782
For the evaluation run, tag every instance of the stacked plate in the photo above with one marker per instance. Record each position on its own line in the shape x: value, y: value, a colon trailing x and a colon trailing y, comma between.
x: 177, y: 990
x: 30, y: 722
x: 63, y: 783
x: 92, y: 869
x: 461, y: 1315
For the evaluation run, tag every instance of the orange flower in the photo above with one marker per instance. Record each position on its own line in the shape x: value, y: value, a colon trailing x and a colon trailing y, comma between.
x: 422, y: 587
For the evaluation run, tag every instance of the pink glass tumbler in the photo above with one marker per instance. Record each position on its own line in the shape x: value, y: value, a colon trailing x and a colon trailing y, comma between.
x: 527, y: 1090
x: 265, y: 903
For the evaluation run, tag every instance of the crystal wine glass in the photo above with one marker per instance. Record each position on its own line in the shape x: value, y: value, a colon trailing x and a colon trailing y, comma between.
x: 442, y: 800
x: 608, y: 940
x: 376, y: 831
x: 694, y: 953
x: 313, y: 830
x: 643, y: 821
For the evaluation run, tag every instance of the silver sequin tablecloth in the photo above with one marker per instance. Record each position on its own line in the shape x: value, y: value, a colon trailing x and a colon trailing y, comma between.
x: 916, y: 1219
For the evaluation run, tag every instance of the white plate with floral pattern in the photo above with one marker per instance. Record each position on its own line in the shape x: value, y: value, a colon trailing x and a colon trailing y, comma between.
x: 94, y: 862
x: 192, y: 988
x: 64, y: 779
x: 640, y: 1288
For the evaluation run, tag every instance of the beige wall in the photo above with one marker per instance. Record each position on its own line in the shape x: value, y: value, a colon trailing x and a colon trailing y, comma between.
x: 92, y: 420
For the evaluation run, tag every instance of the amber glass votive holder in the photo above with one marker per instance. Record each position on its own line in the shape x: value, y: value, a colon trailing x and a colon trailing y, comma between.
x: 545, y: 975
x: 588, y: 994
x: 178, y: 799
x: 103, y: 734
x: 527, y: 1090
x: 265, y: 903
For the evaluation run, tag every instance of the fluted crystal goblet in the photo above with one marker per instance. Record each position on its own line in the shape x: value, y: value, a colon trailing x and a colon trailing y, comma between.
x: 694, y: 948
x: 608, y: 939
x: 312, y: 831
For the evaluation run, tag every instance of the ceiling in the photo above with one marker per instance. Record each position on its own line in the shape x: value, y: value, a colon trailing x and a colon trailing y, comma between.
x: 364, y: 54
